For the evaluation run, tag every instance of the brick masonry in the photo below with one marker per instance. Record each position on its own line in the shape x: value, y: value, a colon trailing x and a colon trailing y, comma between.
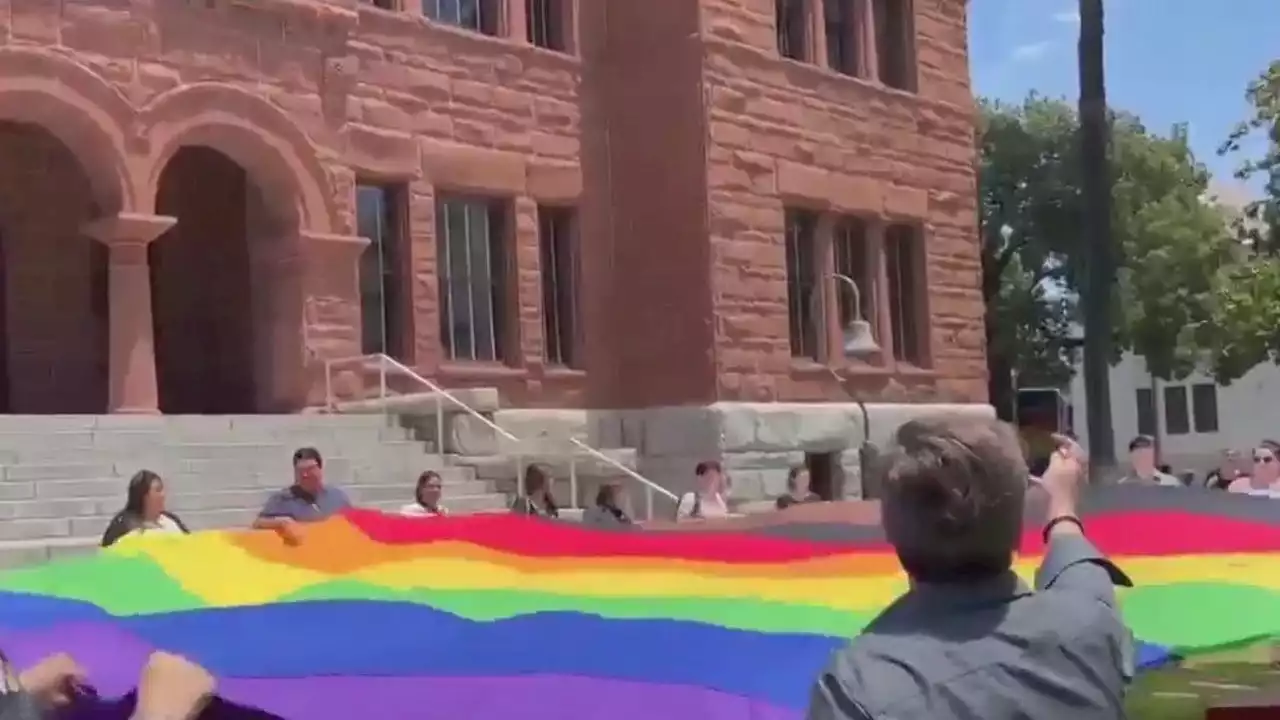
x: 674, y: 127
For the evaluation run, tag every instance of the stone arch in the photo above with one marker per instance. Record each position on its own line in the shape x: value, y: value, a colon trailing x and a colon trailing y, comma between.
x: 78, y: 107
x: 257, y: 135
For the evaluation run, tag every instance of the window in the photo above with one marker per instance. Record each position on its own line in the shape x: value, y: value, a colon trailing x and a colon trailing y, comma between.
x: 1204, y: 403
x: 790, y: 18
x: 801, y: 231
x: 384, y: 4
x: 852, y: 261
x: 547, y: 24
x: 556, y: 238
x: 1146, y: 402
x: 895, y: 42
x: 841, y: 28
x: 826, y: 477
x: 1177, y: 419
x: 902, y: 265
x: 380, y: 214
x: 482, y: 16
x: 472, y: 262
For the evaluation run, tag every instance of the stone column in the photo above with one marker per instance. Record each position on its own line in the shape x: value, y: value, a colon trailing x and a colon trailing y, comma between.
x: 817, y: 33
x: 829, y: 331
x: 132, y: 356
x: 517, y: 21
x: 869, y: 62
x: 883, y: 307
x: 331, y: 326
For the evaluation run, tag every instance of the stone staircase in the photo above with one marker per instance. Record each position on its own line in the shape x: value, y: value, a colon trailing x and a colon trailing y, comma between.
x: 63, y: 477
x: 541, y: 436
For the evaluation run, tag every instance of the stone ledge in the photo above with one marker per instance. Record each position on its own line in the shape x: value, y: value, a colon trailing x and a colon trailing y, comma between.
x: 482, y: 400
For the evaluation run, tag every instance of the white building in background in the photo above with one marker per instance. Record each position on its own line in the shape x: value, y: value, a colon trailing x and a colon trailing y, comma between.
x: 1194, y: 419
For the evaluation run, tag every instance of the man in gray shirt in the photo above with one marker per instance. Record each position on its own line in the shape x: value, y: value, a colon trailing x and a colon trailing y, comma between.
x: 1142, y: 464
x: 308, y: 499
x: 969, y: 640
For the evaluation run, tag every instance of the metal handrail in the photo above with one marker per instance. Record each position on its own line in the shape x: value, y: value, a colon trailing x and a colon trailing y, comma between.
x: 650, y: 487
x: 441, y: 395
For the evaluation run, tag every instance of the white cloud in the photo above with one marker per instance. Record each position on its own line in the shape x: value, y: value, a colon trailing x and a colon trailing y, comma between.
x: 1067, y: 17
x: 1031, y: 51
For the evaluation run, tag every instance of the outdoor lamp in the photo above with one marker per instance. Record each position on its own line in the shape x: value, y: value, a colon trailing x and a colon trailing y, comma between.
x: 858, y: 340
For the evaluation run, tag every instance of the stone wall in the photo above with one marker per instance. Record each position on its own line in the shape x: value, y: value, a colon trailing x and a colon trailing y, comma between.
x: 757, y: 443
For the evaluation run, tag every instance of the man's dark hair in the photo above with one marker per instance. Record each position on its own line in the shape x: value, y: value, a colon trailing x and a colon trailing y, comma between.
x: 307, y: 453
x: 707, y: 466
x: 794, y: 474
x: 1142, y: 442
x: 954, y: 494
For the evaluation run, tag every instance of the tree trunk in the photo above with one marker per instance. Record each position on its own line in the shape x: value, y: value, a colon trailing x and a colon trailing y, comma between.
x: 1100, y: 268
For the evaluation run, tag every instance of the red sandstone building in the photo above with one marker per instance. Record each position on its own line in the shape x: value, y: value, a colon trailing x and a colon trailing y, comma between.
x: 590, y: 204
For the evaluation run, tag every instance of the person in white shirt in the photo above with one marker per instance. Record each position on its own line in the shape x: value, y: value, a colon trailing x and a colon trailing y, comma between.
x: 1264, y: 481
x: 708, y: 501
x: 426, y: 496
x: 1142, y: 462
x: 144, y: 510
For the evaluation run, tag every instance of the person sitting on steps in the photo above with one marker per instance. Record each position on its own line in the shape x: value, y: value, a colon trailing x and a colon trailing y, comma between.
x: 538, y: 499
x: 708, y: 501
x: 426, y: 497
x: 308, y: 499
x: 144, y: 510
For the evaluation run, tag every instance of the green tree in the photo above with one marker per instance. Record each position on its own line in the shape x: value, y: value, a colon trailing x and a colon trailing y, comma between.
x: 1172, y: 246
x: 1029, y: 211
x: 1244, y: 329
x: 1261, y: 224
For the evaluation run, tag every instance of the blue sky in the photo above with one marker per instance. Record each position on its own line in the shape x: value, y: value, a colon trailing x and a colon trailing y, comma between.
x: 1169, y: 61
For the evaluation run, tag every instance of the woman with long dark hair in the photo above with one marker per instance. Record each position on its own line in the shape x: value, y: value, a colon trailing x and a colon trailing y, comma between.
x: 143, y: 511
x: 426, y: 496
x: 537, y: 499
x: 798, y: 491
x: 608, y: 511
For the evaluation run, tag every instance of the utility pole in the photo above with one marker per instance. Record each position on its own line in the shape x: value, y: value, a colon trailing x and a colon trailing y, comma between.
x: 1100, y: 267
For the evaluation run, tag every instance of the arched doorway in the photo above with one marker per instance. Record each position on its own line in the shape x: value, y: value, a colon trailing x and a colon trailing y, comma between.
x: 202, y: 285
x: 53, y: 279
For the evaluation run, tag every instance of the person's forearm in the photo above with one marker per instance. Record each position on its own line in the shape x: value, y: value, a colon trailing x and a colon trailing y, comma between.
x: 269, y: 523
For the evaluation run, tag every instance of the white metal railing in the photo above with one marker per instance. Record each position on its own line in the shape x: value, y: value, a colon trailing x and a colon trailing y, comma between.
x: 388, y: 365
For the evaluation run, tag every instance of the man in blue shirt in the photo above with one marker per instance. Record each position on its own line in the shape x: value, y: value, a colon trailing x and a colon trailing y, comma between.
x: 308, y: 499
x: 969, y: 640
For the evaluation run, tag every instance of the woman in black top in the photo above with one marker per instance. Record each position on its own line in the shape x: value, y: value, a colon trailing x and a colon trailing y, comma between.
x: 537, y: 498
x: 144, y: 510
x: 608, y: 510
x: 797, y: 489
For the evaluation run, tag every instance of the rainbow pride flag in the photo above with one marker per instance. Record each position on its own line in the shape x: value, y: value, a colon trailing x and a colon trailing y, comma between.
x: 511, y: 617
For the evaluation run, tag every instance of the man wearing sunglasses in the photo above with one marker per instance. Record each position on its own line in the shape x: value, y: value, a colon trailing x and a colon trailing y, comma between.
x: 1264, y: 479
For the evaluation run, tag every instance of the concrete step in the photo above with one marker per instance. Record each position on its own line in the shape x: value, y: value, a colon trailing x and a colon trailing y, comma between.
x: 506, y: 468
x: 80, y: 498
x: 19, y: 553
x: 34, y: 540
x: 63, y: 477
x: 20, y: 445
x: 480, y: 399
x: 338, y: 469
x: 48, y: 423
x: 113, y: 488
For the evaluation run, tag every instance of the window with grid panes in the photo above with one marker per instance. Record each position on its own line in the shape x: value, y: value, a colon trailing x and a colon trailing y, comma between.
x: 471, y: 255
x: 802, y: 285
